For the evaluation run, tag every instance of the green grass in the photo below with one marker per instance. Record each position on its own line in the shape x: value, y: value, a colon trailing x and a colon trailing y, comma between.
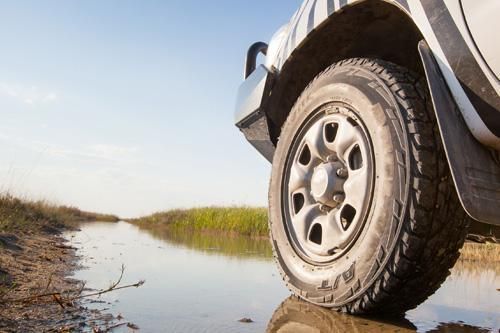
x: 24, y: 215
x: 250, y: 221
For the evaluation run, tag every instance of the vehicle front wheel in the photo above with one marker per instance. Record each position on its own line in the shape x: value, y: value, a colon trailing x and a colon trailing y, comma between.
x: 363, y: 213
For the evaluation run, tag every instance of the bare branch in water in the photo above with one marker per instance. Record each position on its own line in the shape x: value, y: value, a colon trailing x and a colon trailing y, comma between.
x: 135, y: 285
x: 57, y: 296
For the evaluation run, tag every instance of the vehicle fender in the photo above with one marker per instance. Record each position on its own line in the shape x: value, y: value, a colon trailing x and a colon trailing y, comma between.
x: 474, y: 168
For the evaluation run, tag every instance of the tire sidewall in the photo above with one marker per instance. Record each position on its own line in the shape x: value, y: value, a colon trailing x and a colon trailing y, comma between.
x: 344, y: 280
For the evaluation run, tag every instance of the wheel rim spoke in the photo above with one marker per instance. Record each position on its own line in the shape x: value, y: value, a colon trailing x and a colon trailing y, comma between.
x: 346, y: 138
x: 299, y: 177
x: 354, y: 187
x: 303, y: 220
x: 332, y: 234
x: 315, y: 141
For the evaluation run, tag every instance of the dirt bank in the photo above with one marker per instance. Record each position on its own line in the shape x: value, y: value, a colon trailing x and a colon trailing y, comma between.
x: 39, y: 264
x: 31, y: 265
x: 35, y: 261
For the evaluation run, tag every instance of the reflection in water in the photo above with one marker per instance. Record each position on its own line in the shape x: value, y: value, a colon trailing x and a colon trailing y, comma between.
x: 229, y: 245
x: 297, y: 316
x: 476, y: 269
x: 186, y: 289
x: 469, y: 296
x: 206, y: 283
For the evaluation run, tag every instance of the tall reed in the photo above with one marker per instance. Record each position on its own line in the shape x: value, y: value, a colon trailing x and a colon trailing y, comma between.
x: 251, y: 221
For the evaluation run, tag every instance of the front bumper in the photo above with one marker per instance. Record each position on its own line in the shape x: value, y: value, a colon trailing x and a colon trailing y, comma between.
x: 250, y: 115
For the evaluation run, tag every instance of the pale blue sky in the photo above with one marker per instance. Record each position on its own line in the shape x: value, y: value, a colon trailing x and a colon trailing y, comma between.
x: 127, y: 106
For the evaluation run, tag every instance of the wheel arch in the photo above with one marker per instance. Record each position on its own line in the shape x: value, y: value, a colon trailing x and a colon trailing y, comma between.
x: 382, y: 29
x: 385, y: 30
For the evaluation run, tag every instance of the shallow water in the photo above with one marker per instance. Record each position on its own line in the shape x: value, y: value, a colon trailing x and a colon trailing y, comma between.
x: 206, y: 283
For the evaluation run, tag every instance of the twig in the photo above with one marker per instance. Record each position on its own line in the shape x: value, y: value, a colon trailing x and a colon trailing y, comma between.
x: 136, y: 285
x: 80, y: 291
x: 58, y: 299
x: 58, y: 295
x: 114, y: 285
x: 87, y: 322
x: 112, y: 327
x: 30, y: 298
x: 49, y: 282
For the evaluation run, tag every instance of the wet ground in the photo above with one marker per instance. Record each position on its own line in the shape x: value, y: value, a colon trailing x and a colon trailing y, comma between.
x: 207, y: 283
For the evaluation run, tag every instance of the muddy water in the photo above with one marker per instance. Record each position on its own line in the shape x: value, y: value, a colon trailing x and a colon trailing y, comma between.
x: 203, y: 283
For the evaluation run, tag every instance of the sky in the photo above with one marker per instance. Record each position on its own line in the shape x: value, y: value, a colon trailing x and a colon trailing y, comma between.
x: 127, y: 107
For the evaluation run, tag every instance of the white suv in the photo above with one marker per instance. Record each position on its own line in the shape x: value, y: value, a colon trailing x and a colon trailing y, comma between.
x: 382, y: 121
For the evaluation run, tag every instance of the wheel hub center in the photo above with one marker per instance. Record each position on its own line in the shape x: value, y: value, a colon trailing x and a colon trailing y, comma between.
x: 325, y: 184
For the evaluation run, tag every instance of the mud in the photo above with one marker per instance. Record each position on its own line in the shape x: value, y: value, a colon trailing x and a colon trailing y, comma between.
x: 31, y: 265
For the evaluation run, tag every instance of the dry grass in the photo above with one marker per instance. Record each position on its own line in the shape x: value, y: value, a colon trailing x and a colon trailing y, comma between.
x: 488, y: 252
x: 23, y: 215
x: 249, y: 221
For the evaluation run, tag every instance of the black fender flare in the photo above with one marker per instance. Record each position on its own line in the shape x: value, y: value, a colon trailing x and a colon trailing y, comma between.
x: 475, y: 169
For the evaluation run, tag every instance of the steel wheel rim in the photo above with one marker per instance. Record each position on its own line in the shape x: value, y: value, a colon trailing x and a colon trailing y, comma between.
x: 328, y: 183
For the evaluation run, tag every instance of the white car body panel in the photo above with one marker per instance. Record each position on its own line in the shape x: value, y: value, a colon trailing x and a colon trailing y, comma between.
x: 313, y: 13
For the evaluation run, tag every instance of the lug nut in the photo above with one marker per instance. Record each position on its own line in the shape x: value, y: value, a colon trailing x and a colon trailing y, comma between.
x: 340, y: 197
x: 332, y: 158
x: 342, y: 172
x: 325, y: 208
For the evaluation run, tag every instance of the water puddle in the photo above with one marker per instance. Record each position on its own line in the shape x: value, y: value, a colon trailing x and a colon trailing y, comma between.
x: 207, y: 283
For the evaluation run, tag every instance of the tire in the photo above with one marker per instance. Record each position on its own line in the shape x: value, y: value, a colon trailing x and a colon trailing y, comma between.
x: 394, y: 229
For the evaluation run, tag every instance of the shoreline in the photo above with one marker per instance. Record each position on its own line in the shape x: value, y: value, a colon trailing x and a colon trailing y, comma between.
x: 37, y: 287
x: 32, y: 264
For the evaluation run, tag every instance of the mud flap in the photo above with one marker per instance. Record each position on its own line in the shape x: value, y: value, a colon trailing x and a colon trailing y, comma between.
x: 475, y: 172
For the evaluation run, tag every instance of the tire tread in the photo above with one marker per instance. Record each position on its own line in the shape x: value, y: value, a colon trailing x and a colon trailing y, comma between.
x: 435, y: 225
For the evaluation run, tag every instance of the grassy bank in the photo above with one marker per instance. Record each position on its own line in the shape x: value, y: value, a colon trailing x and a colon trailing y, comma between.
x: 253, y: 222
x: 23, y: 215
x: 249, y: 221
x: 34, y: 260
x: 487, y: 252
